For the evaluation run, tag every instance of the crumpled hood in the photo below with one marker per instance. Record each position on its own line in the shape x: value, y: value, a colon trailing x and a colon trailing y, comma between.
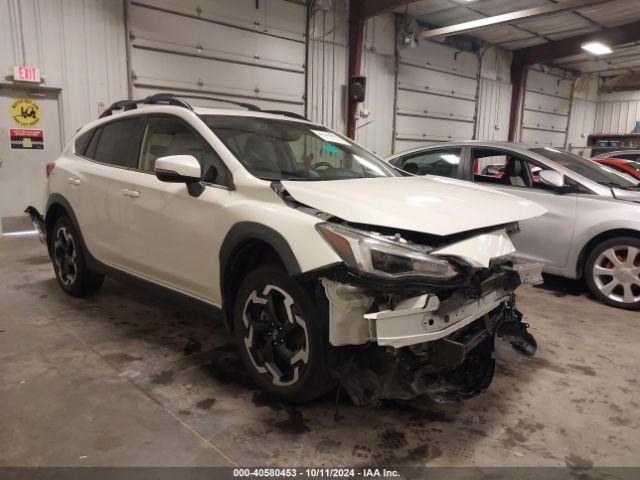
x: 432, y: 205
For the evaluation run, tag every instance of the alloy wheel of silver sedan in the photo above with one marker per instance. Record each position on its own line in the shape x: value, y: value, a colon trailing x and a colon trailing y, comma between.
x: 616, y: 273
x: 65, y: 256
x: 276, y: 338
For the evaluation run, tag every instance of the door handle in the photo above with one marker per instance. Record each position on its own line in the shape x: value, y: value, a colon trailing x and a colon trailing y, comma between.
x: 130, y: 193
x: 74, y: 181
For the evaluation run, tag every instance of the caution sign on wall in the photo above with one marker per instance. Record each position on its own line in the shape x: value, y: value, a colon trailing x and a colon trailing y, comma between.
x: 25, y: 112
x: 22, y: 139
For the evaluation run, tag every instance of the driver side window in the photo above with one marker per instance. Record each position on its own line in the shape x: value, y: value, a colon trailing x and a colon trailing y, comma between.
x: 506, y: 168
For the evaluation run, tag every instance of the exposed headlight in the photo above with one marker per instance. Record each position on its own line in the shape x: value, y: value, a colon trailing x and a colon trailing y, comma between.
x: 384, y: 256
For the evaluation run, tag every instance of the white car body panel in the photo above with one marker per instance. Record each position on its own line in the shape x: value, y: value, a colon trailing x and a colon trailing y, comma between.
x: 478, y: 251
x: 439, y: 207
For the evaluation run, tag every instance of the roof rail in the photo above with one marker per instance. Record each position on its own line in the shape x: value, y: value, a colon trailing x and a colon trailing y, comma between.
x: 158, y: 98
x: 175, y: 100
x: 248, y: 106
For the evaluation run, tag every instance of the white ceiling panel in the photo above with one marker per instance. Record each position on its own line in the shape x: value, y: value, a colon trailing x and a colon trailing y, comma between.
x: 615, y: 13
x: 555, y: 23
x: 498, y: 7
x: 451, y: 16
x: 501, y: 34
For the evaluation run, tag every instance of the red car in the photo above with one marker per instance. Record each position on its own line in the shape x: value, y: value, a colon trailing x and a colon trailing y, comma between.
x: 630, y: 167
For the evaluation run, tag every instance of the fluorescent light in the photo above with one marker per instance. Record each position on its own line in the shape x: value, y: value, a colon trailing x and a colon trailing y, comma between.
x: 597, y: 48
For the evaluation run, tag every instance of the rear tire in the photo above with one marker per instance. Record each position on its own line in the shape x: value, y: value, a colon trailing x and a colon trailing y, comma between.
x: 282, y: 336
x: 612, y: 272
x: 69, y: 261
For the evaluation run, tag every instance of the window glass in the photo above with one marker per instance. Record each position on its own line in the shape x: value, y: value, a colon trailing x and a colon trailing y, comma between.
x: 93, y: 144
x: 589, y: 169
x: 284, y: 150
x: 119, y: 143
x: 169, y: 136
x: 441, y: 162
x: 506, y: 168
x: 628, y: 156
x: 82, y: 142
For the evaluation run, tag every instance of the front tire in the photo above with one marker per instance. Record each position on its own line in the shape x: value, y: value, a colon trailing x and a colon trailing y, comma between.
x: 612, y: 272
x: 282, y: 336
x: 69, y: 261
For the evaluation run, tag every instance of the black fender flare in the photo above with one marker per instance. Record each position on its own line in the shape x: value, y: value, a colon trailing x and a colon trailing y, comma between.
x: 56, y: 198
x: 237, y: 236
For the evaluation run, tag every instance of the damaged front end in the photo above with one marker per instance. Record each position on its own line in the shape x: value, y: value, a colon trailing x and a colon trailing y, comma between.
x: 413, y: 320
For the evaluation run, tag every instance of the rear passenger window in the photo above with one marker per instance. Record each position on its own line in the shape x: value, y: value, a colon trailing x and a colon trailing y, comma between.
x: 82, y: 142
x: 93, y: 144
x: 119, y: 143
x: 442, y: 162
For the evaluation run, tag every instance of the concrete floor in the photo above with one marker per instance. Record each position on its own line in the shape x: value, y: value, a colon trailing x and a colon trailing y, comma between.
x: 131, y: 377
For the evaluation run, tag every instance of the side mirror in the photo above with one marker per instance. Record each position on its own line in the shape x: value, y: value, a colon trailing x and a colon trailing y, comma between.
x: 178, y: 169
x: 551, y: 178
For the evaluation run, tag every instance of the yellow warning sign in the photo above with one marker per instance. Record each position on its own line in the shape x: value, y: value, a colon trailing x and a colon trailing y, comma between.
x: 25, y: 112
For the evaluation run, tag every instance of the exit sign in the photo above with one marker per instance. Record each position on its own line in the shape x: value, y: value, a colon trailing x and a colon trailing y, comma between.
x: 26, y: 74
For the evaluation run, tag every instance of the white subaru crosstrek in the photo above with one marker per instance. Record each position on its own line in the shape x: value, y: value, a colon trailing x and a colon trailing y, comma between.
x: 328, y: 265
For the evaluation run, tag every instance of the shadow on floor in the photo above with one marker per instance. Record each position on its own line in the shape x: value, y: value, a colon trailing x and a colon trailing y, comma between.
x: 561, y: 287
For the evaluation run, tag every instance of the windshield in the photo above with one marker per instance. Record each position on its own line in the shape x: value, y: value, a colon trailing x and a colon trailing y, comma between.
x: 284, y: 150
x: 589, y: 169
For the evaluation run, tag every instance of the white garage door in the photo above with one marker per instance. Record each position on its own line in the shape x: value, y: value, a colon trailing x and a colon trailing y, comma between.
x: 436, y: 95
x: 547, y: 101
x: 248, y: 50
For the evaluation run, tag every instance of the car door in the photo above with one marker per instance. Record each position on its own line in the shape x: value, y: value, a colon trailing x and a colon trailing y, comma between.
x: 169, y: 236
x: 440, y: 161
x: 546, y: 239
x: 110, y: 156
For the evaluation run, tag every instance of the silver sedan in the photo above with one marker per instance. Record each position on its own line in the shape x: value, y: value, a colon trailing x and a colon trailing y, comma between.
x: 592, y: 228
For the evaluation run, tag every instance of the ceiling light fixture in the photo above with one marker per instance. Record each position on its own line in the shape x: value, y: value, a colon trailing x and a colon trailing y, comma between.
x: 596, y: 48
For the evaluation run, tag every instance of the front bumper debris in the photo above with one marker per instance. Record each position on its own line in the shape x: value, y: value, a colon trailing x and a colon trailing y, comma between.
x: 424, y: 345
x: 409, y: 326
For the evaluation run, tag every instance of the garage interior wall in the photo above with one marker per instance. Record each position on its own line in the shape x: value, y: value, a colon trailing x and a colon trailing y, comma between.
x: 79, y: 47
x: 583, y: 114
x: 244, y: 50
x: 494, y: 97
x: 328, y: 67
x: 617, y: 112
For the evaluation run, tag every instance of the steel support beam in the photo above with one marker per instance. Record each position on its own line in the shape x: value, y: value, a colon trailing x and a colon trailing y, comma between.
x: 356, y: 44
x: 527, y: 14
x: 572, y: 46
x: 518, y: 77
x: 359, y: 12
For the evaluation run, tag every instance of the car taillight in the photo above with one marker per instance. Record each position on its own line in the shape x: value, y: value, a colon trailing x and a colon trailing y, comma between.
x: 50, y: 167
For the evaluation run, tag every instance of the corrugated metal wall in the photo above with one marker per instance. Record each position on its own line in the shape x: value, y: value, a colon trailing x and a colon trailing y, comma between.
x: 494, y: 99
x: 546, y: 107
x: 617, y: 112
x: 583, y: 112
x: 328, y: 72
x: 246, y: 50
x: 79, y: 46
